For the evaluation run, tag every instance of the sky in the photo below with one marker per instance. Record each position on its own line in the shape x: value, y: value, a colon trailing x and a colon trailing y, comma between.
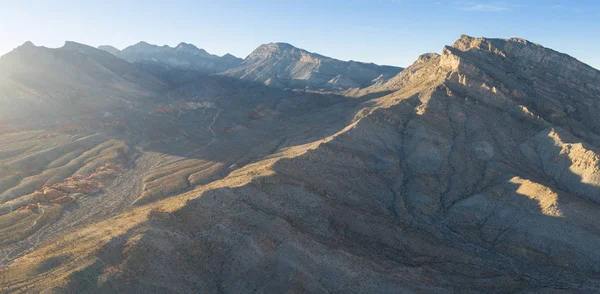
x: 393, y: 32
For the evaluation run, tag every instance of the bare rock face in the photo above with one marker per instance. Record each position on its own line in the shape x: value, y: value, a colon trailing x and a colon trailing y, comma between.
x: 283, y: 65
x: 572, y: 164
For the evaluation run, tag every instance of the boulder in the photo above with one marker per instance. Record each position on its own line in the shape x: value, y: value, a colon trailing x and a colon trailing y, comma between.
x: 67, y: 188
x: 39, y: 196
x: 52, y: 194
x: 29, y: 207
x: 103, y: 175
x: 61, y: 200
x: 159, y: 214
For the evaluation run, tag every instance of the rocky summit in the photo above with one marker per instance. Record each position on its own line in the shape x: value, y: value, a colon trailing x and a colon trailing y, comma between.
x: 283, y: 65
x: 475, y: 170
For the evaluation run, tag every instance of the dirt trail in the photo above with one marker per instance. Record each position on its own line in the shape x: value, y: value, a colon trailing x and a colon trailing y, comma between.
x: 212, y: 132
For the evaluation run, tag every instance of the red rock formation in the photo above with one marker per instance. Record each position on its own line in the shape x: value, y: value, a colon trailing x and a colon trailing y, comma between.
x: 61, y: 200
x: 84, y: 184
x: 52, y: 194
x: 29, y: 207
x: 39, y: 196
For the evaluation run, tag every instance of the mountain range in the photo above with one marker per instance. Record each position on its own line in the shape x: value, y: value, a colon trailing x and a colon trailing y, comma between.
x: 183, y: 56
x: 475, y: 169
x: 277, y: 64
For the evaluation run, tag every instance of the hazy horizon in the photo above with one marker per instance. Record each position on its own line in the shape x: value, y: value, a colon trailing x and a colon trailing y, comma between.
x: 390, y: 32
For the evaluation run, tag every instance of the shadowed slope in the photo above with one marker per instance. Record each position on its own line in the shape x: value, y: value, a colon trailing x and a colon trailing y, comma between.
x: 38, y: 82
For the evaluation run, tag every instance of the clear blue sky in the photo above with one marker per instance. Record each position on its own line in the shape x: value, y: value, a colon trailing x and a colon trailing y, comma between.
x: 382, y: 31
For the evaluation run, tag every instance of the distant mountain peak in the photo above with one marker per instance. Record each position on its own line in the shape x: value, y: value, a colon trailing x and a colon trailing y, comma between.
x: 25, y: 48
x: 281, y: 49
x: 142, y: 45
x: 28, y: 44
x: 282, y: 45
x: 107, y: 47
x: 232, y: 58
x: 228, y: 55
x: 110, y: 49
x: 276, y: 46
x: 186, y: 45
x: 284, y: 65
x: 74, y: 45
x: 191, y: 49
x: 183, y: 56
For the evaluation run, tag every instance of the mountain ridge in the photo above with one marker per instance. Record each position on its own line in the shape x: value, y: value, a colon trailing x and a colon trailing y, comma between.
x: 283, y: 65
x: 474, y: 170
x: 74, y: 71
x: 183, y: 56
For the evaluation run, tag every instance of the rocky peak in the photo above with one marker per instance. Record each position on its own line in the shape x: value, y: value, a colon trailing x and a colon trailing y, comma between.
x: 278, y: 50
x: 110, y: 49
x: 427, y: 57
x: 520, y: 56
x: 141, y: 47
x: 229, y: 56
x: 523, y: 41
x: 231, y: 59
x: 27, y: 50
x: 297, y: 68
x: 190, y: 49
x: 184, y: 45
x: 465, y: 43
x: 74, y: 46
x: 281, y: 46
x: 28, y: 44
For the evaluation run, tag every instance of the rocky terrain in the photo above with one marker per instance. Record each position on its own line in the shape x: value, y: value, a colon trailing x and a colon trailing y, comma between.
x: 283, y: 65
x: 473, y: 170
x: 183, y: 56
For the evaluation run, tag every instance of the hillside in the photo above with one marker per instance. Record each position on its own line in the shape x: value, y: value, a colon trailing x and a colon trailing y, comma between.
x: 474, y: 170
x: 283, y: 65
x: 38, y: 82
x: 104, y: 149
